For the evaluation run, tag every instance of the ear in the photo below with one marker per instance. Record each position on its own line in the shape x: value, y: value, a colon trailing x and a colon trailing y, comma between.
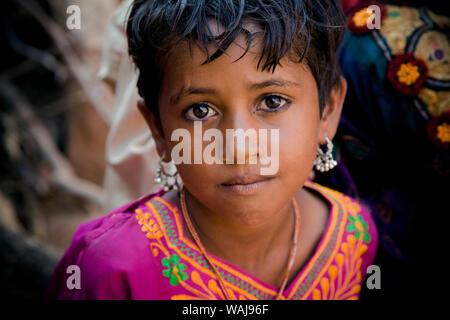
x: 156, y: 129
x: 332, y: 111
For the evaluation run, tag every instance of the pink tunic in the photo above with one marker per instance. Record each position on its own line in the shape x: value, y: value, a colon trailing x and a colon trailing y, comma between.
x: 139, y: 251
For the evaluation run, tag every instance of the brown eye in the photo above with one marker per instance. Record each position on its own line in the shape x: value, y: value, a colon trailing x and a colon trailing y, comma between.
x: 273, y: 103
x: 199, y: 112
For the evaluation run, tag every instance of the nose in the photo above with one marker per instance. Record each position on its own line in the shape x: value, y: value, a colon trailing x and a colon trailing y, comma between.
x: 241, y: 137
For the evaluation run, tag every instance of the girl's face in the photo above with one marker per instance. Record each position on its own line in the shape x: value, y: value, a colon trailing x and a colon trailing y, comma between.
x: 235, y: 95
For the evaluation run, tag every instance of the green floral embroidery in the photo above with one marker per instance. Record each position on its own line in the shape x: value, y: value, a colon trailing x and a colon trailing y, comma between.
x: 394, y: 14
x: 360, y: 226
x: 174, y: 268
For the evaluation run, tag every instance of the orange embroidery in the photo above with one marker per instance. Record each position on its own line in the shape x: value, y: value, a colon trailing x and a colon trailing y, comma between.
x: 340, y: 284
x: 152, y: 231
x: 361, y: 17
x: 333, y: 197
x: 210, y: 292
x: 443, y: 132
x: 341, y: 280
x: 408, y: 73
x: 339, y: 276
x: 215, y: 261
x: 155, y: 233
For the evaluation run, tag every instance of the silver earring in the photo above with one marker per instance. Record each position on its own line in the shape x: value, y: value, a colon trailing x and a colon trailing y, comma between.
x: 324, y: 160
x: 169, y: 180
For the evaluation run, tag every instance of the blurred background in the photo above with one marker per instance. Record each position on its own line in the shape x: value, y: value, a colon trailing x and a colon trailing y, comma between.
x: 55, y: 115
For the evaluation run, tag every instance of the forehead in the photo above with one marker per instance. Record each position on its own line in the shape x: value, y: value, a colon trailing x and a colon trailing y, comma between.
x: 192, y: 53
x: 183, y: 65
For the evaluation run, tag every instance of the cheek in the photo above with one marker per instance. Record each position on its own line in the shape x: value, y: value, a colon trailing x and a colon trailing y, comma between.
x: 298, y: 146
x: 297, y: 152
x: 199, y: 178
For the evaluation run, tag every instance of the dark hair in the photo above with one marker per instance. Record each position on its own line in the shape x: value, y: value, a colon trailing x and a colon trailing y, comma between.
x: 313, y: 29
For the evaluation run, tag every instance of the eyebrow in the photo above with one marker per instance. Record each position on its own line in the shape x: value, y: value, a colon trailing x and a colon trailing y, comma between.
x: 183, y: 92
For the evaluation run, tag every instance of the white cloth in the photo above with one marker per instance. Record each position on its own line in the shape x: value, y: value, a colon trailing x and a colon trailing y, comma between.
x: 131, y: 157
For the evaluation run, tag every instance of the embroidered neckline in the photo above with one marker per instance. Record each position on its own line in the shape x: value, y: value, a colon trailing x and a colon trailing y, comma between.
x: 172, y: 229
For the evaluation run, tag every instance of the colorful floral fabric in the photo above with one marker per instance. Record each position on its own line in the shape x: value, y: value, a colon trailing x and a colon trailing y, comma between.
x: 407, y: 74
x: 362, y: 16
x: 439, y: 130
x: 393, y: 137
x: 140, y: 251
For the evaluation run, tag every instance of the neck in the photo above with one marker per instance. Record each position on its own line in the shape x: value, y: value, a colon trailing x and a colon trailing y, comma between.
x: 246, y: 245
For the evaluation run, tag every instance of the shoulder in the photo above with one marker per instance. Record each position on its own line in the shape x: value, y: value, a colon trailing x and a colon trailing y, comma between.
x: 346, y: 250
x: 352, y: 220
x: 112, y: 254
x: 116, y: 235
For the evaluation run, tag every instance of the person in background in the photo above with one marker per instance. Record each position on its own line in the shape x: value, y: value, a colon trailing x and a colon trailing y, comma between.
x: 394, y: 135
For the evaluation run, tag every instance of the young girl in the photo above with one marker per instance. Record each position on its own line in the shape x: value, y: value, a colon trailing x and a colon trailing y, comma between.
x: 231, y: 232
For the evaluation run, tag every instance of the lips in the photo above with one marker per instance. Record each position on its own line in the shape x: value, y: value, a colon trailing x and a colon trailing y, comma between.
x: 244, y: 180
x: 246, y: 184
